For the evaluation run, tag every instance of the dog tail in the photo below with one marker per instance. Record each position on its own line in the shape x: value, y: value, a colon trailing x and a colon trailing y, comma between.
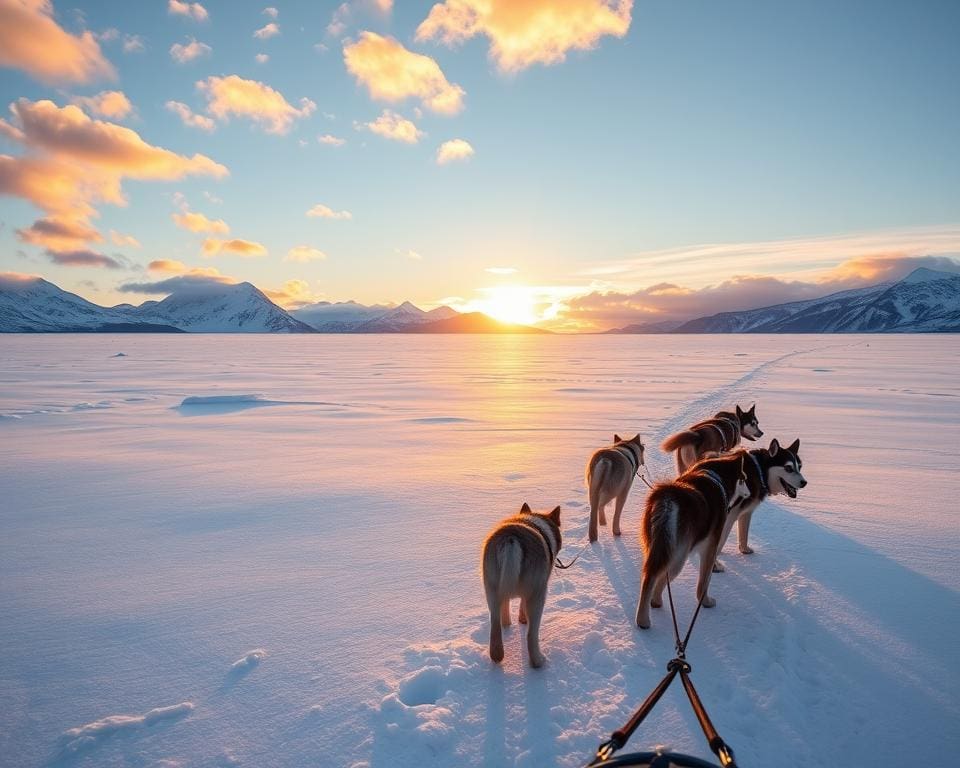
x: 686, y: 437
x: 511, y: 556
x: 658, y: 533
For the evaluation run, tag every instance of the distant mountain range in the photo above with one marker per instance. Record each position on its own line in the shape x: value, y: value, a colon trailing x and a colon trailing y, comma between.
x: 34, y: 305
x: 924, y: 301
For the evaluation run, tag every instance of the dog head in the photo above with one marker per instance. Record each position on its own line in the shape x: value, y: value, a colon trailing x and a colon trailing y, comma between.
x: 784, y: 476
x: 637, y: 442
x: 552, y: 517
x: 749, y: 426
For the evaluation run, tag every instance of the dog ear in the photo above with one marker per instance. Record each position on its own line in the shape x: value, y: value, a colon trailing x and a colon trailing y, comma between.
x: 774, y: 447
x: 794, y: 447
x: 616, y: 438
x: 555, y: 515
x: 753, y: 409
x: 739, y: 412
x: 525, y: 508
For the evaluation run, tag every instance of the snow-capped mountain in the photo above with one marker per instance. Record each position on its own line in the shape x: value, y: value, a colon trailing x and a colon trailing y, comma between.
x: 241, y: 307
x: 36, y: 305
x: 351, y: 317
x: 924, y: 301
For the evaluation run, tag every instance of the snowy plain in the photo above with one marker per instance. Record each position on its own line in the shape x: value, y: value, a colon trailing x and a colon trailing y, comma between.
x: 263, y: 551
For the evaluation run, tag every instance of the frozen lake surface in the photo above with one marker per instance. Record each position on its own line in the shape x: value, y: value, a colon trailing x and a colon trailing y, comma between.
x: 263, y: 551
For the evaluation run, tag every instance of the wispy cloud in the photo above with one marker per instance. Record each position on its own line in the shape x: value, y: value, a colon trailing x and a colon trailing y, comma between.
x: 331, y: 140
x: 392, y: 126
x: 304, y: 253
x: 194, y: 11
x: 185, y: 53
x: 189, y: 118
x: 324, y: 212
x: 235, y: 96
x: 267, y: 30
x: 213, y: 246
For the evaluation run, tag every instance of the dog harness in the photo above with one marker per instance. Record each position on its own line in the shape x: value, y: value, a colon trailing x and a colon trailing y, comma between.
x: 533, y: 523
x: 634, y: 458
x: 718, y: 481
x: 763, y: 481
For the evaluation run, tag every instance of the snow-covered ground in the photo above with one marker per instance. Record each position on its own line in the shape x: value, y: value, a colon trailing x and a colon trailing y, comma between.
x: 263, y: 551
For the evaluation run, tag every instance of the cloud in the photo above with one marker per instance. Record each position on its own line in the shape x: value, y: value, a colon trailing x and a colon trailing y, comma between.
x: 73, y: 163
x: 190, y: 118
x: 271, y: 12
x: 331, y: 140
x: 214, y: 247
x: 501, y: 270
x: 261, y: 58
x: 392, y: 73
x: 456, y: 149
x: 390, y: 125
x: 193, y: 280
x: 32, y: 41
x: 192, y: 50
x: 133, y: 44
x: 304, y: 253
x: 122, y: 240
x: 323, y: 212
x: 527, y: 32
x: 267, y: 30
x: 83, y: 258
x: 112, y: 104
x: 233, y: 95
x: 194, y: 10
x: 59, y: 235
x: 294, y: 293
x: 410, y: 254
x: 197, y: 222
x: 670, y: 301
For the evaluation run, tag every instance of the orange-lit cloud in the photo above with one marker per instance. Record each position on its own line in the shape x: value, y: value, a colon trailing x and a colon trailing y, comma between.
x: 456, y: 149
x: 304, y: 253
x: 193, y: 50
x: 527, y: 32
x: 74, y: 163
x: 392, y: 73
x: 250, y: 99
x: 122, y: 240
x: 214, y: 247
x: 392, y: 126
x: 174, y: 267
x: 112, y: 104
x: 267, y: 30
x: 193, y: 10
x: 324, y: 212
x: 189, y: 117
x: 32, y: 41
x: 331, y: 140
x: 83, y: 258
x: 294, y: 293
x: 197, y: 222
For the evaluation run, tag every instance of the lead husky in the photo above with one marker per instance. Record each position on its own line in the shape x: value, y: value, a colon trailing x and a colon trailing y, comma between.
x: 770, y: 472
x: 687, y: 515
x: 517, y: 561
x: 714, y: 436
x: 610, y: 474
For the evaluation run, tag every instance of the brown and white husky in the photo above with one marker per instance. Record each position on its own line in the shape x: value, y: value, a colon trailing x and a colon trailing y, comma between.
x: 610, y: 473
x: 712, y: 437
x: 684, y: 516
x: 517, y: 561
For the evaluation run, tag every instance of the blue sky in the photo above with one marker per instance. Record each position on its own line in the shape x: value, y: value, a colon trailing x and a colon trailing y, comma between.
x: 827, y: 132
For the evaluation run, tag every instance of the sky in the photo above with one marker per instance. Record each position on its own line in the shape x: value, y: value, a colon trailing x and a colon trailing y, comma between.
x: 582, y: 164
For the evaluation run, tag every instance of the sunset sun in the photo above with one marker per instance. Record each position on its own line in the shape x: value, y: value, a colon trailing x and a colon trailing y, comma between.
x: 509, y: 304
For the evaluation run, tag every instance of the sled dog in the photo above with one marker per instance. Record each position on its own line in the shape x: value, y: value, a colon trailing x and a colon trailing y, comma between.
x: 610, y: 473
x: 517, y: 561
x: 684, y: 516
x: 770, y: 471
x: 712, y: 437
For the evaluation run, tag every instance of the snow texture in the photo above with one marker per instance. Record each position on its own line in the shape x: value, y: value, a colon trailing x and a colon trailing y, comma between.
x: 144, y: 554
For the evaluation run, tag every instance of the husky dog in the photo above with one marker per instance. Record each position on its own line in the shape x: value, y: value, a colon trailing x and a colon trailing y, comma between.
x: 517, y: 561
x: 689, y: 514
x: 714, y: 436
x: 610, y: 474
x: 770, y: 472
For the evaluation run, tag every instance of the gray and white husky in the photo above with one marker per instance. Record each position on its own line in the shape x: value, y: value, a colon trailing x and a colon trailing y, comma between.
x: 713, y: 436
x: 684, y: 516
x: 770, y: 471
x: 610, y: 473
x: 517, y: 561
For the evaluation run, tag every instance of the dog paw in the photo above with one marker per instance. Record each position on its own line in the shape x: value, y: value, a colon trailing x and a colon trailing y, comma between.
x: 746, y: 549
x: 496, y: 653
x: 592, y: 537
x: 643, y: 622
x: 537, y: 660
x: 718, y: 567
x: 522, y: 618
x: 709, y: 602
x: 616, y: 531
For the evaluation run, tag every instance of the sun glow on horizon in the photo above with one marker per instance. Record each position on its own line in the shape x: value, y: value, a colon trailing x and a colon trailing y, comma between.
x: 509, y: 304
